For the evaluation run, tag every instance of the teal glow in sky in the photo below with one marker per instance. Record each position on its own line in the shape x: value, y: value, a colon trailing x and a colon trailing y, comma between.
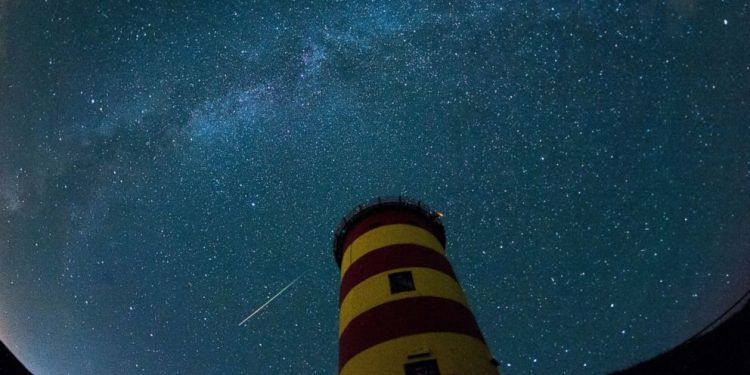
x: 167, y: 168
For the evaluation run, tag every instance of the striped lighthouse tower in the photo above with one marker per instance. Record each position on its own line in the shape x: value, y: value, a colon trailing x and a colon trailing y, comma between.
x: 402, y: 310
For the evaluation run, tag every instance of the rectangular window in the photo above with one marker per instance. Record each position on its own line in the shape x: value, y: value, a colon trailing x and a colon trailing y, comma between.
x: 428, y: 367
x: 401, y: 282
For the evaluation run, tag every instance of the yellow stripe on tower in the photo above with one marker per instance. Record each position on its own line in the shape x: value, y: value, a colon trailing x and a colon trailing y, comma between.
x: 376, y: 291
x: 459, y: 354
x: 385, y: 236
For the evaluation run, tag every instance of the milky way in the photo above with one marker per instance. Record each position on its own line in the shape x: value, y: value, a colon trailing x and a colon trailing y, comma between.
x: 164, y: 169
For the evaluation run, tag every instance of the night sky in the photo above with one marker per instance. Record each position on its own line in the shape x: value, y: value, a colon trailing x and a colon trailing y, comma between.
x: 167, y: 166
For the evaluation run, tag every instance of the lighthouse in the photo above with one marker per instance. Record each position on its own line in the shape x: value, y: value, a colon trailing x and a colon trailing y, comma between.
x: 401, y: 308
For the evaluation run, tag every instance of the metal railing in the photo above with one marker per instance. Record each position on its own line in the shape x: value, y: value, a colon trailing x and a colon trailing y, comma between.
x: 398, y: 201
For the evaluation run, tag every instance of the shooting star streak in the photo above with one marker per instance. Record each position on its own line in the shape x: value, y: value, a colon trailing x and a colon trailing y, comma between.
x: 259, y: 309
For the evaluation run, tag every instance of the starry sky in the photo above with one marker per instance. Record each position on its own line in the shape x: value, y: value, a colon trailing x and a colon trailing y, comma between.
x: 166, y: 167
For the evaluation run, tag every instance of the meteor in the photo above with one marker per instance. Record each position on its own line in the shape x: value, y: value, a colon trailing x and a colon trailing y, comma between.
x: 259, y: 309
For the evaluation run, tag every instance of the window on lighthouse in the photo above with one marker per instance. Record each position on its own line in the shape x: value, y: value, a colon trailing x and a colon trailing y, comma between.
x: 401, y: 282
x: 428, y: 367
